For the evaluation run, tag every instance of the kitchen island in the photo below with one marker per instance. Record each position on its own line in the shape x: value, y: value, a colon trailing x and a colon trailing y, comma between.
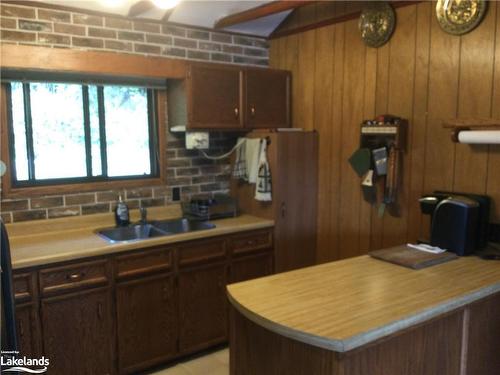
x: 363, y: 316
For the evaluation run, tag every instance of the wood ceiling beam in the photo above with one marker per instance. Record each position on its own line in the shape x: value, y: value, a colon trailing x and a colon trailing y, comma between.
x: 333, y: 20
x: 167, y: 15
x: 140, y: 7
x: 259, y: 12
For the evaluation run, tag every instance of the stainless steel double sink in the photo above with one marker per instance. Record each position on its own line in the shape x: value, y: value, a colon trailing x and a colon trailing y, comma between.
x: 153, y: 229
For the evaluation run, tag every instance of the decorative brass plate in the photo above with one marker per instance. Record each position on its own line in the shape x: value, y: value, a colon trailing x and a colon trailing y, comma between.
x: 376, y: 23
x: 458, y: 17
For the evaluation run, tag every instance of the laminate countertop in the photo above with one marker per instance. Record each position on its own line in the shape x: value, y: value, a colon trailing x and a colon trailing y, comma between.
x: 51, y: 241
x: 347, y: 304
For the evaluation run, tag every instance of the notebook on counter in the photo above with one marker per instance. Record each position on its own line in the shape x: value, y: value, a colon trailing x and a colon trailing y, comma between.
x: 411, y: 258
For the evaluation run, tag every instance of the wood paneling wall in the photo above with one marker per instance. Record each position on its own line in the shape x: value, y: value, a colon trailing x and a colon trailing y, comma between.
x: 423, y: 74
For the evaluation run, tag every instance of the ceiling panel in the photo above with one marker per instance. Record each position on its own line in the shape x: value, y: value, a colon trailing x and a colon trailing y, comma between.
x: 201, y: 13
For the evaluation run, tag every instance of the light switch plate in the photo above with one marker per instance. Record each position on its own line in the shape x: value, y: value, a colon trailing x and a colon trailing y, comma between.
x: 197, y: 140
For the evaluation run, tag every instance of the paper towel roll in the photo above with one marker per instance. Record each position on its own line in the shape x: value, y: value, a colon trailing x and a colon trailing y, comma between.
x: 479, y: 137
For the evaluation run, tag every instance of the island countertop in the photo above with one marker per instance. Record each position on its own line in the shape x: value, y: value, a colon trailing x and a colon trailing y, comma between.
x: 50, y: 241
x: 346, y: 304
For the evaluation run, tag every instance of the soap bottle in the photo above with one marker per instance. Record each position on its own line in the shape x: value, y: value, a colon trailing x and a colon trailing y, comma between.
x: 122, y: 218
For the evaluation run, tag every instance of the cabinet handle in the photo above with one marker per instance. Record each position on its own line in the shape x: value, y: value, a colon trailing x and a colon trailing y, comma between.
x: 283, y: 210
x: 99, y: 310
x: 236, y: 112
x: 251, y: 242
x: 75, y: 276
x: 252, y: 111
x: 21, y: 328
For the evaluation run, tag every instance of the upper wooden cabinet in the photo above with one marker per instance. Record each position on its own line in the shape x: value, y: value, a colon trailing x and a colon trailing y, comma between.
x: 222, y: 97
x: 267, y: 98
x: 214, y: 98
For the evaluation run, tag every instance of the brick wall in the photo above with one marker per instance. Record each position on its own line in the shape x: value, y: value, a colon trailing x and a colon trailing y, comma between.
x: 192, y: 174
x: 53, y: 28
x: 186, y: 170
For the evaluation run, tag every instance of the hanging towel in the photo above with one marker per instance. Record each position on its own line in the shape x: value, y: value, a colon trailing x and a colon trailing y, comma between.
x: 240, y: 163
x: 263, y: 184
x: 252, y: 148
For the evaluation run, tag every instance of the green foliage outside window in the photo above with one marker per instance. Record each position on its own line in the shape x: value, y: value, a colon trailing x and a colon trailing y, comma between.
x: 64, y: 132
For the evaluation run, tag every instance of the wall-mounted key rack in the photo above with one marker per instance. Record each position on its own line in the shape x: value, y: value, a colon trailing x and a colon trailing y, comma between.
x: 383, y: 139
x: 383, y: 131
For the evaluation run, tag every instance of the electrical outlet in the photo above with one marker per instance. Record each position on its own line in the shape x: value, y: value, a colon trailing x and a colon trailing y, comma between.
x: 176, y: 194
x: 197, y: 140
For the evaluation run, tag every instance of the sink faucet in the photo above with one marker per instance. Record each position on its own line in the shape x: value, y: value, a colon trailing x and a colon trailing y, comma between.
x: 144, y: 215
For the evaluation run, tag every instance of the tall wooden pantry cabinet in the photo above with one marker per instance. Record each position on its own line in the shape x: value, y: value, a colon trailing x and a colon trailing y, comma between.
x: 293, y: 160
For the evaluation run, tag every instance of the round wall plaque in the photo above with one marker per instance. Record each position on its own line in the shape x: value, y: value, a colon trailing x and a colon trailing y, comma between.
x: 458, y: 17
x: 376, y: 24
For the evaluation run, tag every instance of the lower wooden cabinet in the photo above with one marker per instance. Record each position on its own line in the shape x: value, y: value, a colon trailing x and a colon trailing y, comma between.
x: 28, y: 327
x: 484, y: 336
x: 28, y: 330
x: 251, y: 267
x: 202, y: 307
x: 146, y: 322
x: 129, y: 312
x: 78, y: 334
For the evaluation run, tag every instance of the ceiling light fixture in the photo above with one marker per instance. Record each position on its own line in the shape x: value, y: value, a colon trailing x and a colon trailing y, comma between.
x: 166, y: 4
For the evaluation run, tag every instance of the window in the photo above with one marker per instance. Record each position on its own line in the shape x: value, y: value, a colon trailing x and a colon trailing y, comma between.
x: 66, y: 133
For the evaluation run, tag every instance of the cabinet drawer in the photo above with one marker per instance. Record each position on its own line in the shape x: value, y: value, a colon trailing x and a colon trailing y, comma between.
x: 144, y: 262
x: 73, y: 276
x: 24, y: 287
x: 202, y: 251
x: 244, y: 243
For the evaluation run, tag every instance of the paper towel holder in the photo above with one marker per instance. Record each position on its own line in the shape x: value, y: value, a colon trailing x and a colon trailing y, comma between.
x: 473, y: 124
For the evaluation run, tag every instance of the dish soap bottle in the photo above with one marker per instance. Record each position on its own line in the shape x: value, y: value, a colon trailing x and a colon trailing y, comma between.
x: 122, y: 218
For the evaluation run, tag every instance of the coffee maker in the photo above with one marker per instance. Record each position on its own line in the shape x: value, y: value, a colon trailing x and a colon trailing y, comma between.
x: 459, y: 221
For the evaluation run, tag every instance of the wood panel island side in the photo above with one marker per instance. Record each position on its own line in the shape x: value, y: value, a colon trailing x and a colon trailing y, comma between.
x: 362, y: 316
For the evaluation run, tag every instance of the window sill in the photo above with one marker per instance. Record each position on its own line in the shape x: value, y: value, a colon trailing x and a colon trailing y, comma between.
x: 34, y: 191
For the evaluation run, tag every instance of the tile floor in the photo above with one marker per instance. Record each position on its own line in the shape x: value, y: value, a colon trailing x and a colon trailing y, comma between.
x: 216, y: 363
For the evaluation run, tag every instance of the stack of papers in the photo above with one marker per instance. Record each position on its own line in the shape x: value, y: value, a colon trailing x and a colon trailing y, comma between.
x: 427, y: 248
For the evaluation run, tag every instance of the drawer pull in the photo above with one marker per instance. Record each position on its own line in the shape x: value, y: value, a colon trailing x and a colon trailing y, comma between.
x: 76, y: 276
x: 251, y: 242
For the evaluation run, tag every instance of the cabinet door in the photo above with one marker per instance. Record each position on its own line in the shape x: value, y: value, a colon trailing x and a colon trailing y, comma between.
x: 78, y: 334
x: 484, y: 336
x: 295, y: 190
x: 214, y: 97
x: 267, y: 98
x: 28, y: 330
x: 202, y: 307
x: 251, y: 267
x: 147, y: 329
